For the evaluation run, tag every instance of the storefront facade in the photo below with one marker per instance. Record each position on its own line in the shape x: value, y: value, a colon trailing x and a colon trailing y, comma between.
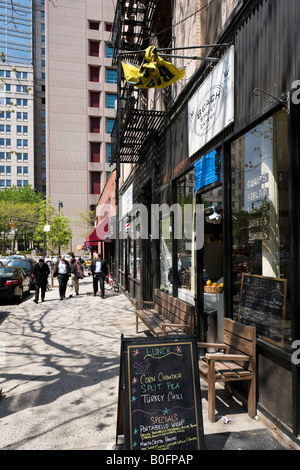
x: 250, y: 193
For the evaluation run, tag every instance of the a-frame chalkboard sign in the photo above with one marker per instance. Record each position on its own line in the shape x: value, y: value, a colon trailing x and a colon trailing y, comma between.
x: 159, y: 394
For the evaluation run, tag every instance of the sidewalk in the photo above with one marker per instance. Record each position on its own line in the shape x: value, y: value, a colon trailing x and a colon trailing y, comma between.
x: 60, y: 379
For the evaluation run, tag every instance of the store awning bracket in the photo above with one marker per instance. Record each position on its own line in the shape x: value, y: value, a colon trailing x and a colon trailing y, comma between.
x: 162, y: 51
x: 284, y: 99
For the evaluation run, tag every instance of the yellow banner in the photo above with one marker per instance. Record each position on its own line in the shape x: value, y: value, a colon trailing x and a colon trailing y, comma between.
x: 154, y: 72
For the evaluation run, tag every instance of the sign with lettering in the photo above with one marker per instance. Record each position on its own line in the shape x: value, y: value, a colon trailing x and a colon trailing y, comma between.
x: 263, y: 305
x: 162, y: 394
x: 211, y: 109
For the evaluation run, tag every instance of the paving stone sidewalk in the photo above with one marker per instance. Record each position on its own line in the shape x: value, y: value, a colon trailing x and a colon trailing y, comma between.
x: 60, y: 377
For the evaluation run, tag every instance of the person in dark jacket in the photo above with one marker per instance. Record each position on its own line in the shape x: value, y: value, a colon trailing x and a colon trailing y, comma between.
x: 99, y: 270
x: 76, y: 274
x: 62, y: 272
x: 41, y: 272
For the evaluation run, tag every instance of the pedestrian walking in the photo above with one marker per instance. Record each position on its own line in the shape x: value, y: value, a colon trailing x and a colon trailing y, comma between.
x: 76, y: 274
x: 99, y: 270
x: 41, y: 272
x: 62, y: 272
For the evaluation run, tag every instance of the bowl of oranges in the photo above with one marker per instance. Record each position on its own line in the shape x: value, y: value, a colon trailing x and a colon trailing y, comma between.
x: 213, y: 287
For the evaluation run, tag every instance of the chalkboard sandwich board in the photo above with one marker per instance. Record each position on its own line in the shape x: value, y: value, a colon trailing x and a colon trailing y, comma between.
x: 162, y: 401
x: 263, y: 304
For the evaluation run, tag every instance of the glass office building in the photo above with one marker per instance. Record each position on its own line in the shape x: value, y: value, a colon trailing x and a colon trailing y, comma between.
x: 16, y: 94
x: 16, y: 31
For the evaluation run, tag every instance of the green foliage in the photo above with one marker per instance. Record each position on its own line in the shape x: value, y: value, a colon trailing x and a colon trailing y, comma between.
x: 21, y: 195
x: 28, y: 212
x: 60, y: 233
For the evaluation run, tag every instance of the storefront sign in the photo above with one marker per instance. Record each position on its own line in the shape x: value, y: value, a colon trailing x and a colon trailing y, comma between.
x: 127, y: 201
x: 161, y: 395
x: 207, y: 170
x: 263, y: 304
x: 211, y: 109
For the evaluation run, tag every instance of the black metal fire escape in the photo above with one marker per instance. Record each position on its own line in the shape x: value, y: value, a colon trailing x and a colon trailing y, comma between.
x: 135, y: 124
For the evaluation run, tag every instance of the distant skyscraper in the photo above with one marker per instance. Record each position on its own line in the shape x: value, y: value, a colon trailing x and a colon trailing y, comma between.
x: 16, y: 101
x: 81, y: 89
x: 16, y: 31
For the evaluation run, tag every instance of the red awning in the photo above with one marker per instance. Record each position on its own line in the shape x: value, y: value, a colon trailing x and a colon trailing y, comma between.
x: 99, y: 234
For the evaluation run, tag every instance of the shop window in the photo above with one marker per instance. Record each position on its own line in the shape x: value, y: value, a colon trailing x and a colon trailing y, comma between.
x: 260, y: 217
x: 186, y: 199
x: 138, y: 258
x: 166, y: 246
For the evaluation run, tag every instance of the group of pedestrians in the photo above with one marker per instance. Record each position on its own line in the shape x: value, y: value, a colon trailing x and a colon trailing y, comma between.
x: 65, y: 270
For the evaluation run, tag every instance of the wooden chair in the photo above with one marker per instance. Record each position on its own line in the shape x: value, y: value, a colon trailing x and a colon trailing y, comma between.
x: 236, y: 363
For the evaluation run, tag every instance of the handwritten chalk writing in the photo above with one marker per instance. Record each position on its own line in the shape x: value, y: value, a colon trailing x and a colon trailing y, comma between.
x: 263, y: 304
x: 152, y: 428
x: 151, y: 387
x: 162, y: 376
x: 161, y: 392
x: 141, y: 368
x: 179, y: 424
x: 164, y: 419
x: 152, y: 398
x: 174, y: 396
x: 172, y: 386
x: 154, y: 352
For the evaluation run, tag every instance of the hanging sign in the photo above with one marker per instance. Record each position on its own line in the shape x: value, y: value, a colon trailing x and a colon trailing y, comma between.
x: 154, y: 72
x: 127, y: 201
x: 211, y: 109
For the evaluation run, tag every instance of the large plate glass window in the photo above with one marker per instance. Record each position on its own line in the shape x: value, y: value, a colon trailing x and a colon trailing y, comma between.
x: 260, y: 217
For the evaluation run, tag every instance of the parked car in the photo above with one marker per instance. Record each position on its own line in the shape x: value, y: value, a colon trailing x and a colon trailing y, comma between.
x: 14, y: 282
x: 51, y: 259
x: 6, y: 259
x: 27, y: 265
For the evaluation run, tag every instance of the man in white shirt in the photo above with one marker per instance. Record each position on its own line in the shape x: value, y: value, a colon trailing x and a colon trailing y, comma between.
x: 99, y: 271
x: 62, y: 271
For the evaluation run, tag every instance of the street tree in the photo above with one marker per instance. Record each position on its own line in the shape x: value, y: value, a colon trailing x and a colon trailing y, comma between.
x: 86, y: 221
x: 19, y: 209
x: 60, y: 234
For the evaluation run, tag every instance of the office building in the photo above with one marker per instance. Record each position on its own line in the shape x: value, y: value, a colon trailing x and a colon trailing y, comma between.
x: 80, y: 98
x: 16, y: 95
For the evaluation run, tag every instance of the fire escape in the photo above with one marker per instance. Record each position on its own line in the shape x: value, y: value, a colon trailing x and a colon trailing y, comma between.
x: 135, y: 125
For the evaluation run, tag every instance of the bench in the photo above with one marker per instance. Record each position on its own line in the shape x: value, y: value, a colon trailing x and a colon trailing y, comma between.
x: 236, y: 363
x: 165, y: 313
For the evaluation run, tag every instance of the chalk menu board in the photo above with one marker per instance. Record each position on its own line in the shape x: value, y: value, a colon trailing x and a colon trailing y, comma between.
x: 263, y: 305
x: 162, y: 395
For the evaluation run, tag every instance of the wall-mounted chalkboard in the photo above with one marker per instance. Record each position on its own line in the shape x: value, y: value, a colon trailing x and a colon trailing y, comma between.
x: 162, y: 403
x: 263, y: 305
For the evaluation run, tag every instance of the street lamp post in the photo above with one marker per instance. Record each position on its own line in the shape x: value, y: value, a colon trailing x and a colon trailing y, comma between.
x: 60, y: 205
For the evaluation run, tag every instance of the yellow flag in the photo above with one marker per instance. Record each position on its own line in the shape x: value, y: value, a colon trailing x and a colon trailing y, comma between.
x: 154, y: 72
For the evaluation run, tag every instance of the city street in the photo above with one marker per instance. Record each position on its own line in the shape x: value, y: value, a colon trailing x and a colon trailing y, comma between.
x: 61, y: 374
x: 60, y: 377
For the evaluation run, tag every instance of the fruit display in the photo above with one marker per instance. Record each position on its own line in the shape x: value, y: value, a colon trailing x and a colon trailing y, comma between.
x: 213, y: 287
